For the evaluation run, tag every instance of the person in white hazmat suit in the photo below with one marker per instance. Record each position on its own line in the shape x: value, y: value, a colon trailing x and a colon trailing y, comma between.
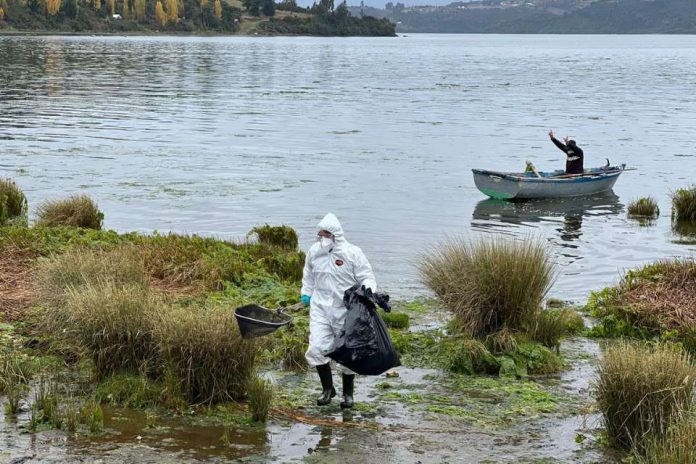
x: 332, y: 266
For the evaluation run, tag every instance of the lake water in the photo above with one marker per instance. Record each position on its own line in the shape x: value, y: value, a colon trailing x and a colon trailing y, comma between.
x: 216, y: 135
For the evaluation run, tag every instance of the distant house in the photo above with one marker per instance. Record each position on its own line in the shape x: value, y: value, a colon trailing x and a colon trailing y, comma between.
x: 116, y: 16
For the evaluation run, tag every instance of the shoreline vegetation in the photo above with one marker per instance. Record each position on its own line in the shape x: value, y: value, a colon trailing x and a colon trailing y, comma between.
x: 92, y: 319
x: 185, y: 17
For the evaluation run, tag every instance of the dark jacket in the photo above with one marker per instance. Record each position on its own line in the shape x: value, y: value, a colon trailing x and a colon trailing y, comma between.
x: 575, y: 156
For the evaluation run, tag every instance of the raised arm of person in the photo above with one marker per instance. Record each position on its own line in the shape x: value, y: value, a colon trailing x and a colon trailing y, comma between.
x: 557, y: 142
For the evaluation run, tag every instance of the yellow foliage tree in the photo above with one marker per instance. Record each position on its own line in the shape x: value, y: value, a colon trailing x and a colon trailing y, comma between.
x: 125, y: 11
x: 97, y: 5
x: 204, y: 3
x: 217, y: 9
x: 112, y: 7
x: 139, y: 9
x: 160, y: 14
x: 172, y: 10
x: 52, y: 7
x: 2, y: 14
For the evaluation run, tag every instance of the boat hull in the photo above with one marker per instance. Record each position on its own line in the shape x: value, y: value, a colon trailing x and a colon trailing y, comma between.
x: 510, y: 186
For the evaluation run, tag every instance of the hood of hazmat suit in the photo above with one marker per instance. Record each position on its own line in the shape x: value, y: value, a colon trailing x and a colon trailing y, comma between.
x: 328, y: 273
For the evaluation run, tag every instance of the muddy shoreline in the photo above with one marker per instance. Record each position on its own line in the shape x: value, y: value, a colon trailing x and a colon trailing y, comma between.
x: 421, y: 416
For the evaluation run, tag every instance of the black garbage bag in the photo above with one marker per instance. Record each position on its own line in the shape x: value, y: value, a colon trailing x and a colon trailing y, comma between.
x: 364, y: 345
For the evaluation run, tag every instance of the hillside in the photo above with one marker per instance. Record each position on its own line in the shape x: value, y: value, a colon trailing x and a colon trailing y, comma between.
x: 257, y: 17
x: 545, y: 16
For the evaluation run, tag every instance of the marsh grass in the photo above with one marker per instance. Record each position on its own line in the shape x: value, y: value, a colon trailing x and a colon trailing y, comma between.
x: 489, y: 284
x: 547, y: 327
x: 115, y: 323
x: 395, y: 320
x: 677, y: 446
x: 80, y: 266
x: 283, y: 237
x: 14, y: 395
x: 72, y: 416
x: 643, y: 208
x: 182, y: 260
x: 260, y: 398
x: 15, y: 369
x: 684, y: 204
x: 13, y: 203
x: 92, y: 415
x: 290, y: 345
x: 655, y: 301
x: 77, y: 210
x: 641, y: 389
x: 501, y: 342
x: 46, y: 402
x: 205, y: 351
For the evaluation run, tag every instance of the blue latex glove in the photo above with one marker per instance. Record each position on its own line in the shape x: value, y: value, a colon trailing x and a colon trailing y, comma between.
x: 305, y: 299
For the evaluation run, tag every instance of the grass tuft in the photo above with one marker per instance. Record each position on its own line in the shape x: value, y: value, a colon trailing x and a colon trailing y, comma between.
x: 75, y: 211
x: 491, y: 284
x: 13, y: 203
x: 115, y: 323
x: 684, y: 204
x: 641, y: 389
x: 283, y: 237
x: 205, y: 351
x: 395, y: 320
x: 643, y: 208
x: 260, y: 398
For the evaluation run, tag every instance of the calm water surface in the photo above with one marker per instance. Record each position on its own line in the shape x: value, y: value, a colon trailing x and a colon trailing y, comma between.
x: 216, y: 135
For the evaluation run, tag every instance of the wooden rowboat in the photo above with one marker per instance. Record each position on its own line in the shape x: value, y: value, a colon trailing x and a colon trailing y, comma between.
x: 556, y: 184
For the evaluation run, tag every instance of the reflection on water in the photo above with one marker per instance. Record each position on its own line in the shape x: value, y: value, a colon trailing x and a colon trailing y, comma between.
x: 493, y: 215
x: 684, y: 232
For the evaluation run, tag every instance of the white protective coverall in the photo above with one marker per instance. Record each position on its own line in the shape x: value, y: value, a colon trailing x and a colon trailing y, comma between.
x: 328, y: 273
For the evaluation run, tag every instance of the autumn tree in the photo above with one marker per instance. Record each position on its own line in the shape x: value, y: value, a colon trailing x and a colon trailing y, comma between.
x: 52, y: 7
x: 203, y: 3
x: 125, y: 10
x: 112, y: 7
x: 172, y: 10
x: 160, y: 15
x: 217, y: 9
x: 97, y: 5
x: 2, y: 14
x: 139, y: 9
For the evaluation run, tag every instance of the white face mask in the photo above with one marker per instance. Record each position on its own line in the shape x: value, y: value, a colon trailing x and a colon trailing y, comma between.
x: 326, y: 243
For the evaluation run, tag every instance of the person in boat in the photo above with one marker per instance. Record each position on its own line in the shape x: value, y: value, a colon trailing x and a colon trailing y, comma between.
x: 333, y: 265
x: 574, y: 154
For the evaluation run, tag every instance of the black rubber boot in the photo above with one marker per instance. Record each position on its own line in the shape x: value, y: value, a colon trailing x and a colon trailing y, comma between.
x: 348, y: 385
x: 328, y: 390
